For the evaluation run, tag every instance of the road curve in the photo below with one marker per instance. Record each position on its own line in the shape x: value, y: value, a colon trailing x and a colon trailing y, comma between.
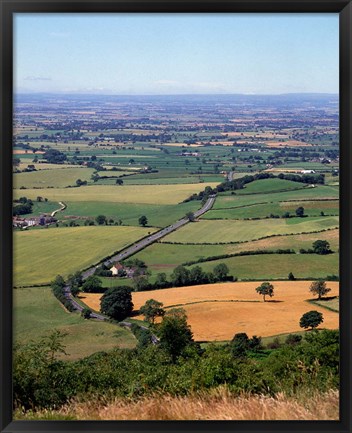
x: 133, y: 249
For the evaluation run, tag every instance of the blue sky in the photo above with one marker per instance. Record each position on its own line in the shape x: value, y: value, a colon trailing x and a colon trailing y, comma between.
x: 176, y: 53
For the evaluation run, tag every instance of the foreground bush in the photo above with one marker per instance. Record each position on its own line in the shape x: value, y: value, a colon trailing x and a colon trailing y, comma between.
x: 42, y: 381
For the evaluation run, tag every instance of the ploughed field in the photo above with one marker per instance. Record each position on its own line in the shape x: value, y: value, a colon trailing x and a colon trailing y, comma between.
x: 219, y: 311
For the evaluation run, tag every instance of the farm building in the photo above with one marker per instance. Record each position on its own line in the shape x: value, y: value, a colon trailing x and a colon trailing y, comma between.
x: 116, y: 268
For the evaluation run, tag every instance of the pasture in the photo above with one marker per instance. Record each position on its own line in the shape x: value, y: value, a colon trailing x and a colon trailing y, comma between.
x: 40, y: 255
x: 158, y: 215
x: 278, y: 266
x: 161, y: 256
x: 146, y: 194
x: 55, y: 178
x: 319, y: 192
x: 211, y: 231
x: 311, y: 208
x: 219, y: 311
x: 37, y: 313
x: 269, y: 185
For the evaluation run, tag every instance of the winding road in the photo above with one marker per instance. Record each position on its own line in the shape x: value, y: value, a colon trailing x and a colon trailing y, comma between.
x: 133, y: 249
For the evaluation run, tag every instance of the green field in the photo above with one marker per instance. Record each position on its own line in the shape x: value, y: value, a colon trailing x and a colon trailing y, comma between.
x: 43, y: 207
x: 269, y: 185
x: 40, y: 255
x: 212, y: 231
x: 331, y: 304
x: 311, y: 208
x: 161, y: 256
x: 278, y: 266
x: 37, y: 313
x: 147, y: 194
x: 55, y: 177
x: 129, y: 213
x: 226, y: 200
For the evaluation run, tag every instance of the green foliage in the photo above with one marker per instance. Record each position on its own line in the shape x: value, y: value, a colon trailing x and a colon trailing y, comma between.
x: 311, y: 319
x: 152, y: 309
x: 86, y: 313
x: 221, y: 271
x: 293, y: 339
x: 291, y: 277
x: 319, y: 288
x: 93, y: 284
x: 101, y: 220
x: 180, y: 276
x: 143, y: 221
x: 265, y: 289
x: 40, y: 381
x: 321, y: 247
x: 58, y: 289
x: 190, y: 216
x: 174, y: 332
x: 117, y: 302
x: 300, y: 211
x: 75, y: 281
x: 143, y: 335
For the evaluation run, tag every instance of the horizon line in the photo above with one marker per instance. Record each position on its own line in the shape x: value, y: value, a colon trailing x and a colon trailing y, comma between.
x: 62, y: 93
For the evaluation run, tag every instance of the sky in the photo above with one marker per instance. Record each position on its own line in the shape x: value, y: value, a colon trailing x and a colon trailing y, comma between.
x: 135, y: 53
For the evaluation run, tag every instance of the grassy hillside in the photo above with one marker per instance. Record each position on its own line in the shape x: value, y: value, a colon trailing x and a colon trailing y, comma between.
x: 40, y: 255
x: 51, y: 178
x: 37, y: 313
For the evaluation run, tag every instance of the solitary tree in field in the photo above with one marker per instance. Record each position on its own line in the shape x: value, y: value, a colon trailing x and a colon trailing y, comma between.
x: 319, y: 288
x: 119, y: 181
x: 265, y: 289
x: 152, y: 309
x: 321, y: 247
x: 143, y: 220
x: 311, y: 319
x: 300, y: 211
x: 291, y: 277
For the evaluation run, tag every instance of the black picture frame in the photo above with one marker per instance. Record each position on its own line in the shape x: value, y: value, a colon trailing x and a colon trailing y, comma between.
x: 10, y: 7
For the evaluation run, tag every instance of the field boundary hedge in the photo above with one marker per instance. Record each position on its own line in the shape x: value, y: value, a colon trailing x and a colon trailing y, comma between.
x: 241, y: 253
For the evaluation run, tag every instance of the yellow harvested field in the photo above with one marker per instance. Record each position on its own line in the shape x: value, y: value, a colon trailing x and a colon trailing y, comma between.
x: 25, y: 151
x: 219, y: 311
x: 148, y: 194
x: 44, y: 165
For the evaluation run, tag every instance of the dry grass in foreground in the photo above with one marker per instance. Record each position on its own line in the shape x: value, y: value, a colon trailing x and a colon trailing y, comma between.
x: 216, y: 405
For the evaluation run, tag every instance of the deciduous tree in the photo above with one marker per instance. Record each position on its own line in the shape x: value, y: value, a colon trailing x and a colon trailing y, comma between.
x: 265, y: 289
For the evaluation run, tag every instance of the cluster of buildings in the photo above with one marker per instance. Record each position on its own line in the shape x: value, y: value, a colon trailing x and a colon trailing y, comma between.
x: 42, y: 220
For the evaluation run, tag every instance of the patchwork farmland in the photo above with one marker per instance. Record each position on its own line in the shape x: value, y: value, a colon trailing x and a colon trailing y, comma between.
x: 144, y: 227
